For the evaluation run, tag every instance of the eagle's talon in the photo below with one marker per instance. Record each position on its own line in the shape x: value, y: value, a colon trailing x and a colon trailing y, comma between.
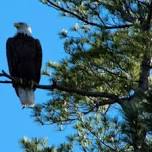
x: 32, y: 84
x: 21, y: 81
x: 17, y: 81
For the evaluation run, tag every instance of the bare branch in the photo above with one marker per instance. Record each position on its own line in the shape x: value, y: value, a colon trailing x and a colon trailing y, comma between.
x: 6, y: 81
x: 4, y: 74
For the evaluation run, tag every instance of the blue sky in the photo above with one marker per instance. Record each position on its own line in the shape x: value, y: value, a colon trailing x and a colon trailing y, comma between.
x: 45, y: 23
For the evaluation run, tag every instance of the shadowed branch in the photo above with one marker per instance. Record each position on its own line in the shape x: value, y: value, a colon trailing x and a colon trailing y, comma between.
x: 110, y: 98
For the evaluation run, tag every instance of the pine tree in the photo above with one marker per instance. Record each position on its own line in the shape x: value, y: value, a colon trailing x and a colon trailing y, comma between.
x: 108, y: 64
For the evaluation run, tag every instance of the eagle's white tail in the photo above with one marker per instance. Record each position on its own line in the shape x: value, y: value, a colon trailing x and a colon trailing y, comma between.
x: 26, y: 97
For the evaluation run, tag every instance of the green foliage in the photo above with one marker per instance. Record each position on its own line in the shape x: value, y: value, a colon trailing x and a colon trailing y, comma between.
x: 109, y: 52
x: 40, y: 145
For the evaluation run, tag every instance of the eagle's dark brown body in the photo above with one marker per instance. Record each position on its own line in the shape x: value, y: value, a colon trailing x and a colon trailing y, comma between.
x: 24, y: 55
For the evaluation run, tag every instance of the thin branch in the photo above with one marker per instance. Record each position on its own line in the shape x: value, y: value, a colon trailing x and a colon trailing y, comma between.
x: 6, y: 81
x: 83, y: 147
x: 54, y: 5
x: 99, y: 141
x: 4, y: 74
x: 143, y: 3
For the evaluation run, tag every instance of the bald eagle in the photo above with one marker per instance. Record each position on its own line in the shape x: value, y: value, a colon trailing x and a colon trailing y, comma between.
x: 24, y: 57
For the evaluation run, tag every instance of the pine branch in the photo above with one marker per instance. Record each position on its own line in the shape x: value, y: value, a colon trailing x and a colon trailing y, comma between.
x: 54, y: 5
x: 143, y: 3
x: 112, y: 98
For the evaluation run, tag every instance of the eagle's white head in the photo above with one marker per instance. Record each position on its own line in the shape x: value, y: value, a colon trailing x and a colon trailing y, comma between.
x: 23, y: 28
